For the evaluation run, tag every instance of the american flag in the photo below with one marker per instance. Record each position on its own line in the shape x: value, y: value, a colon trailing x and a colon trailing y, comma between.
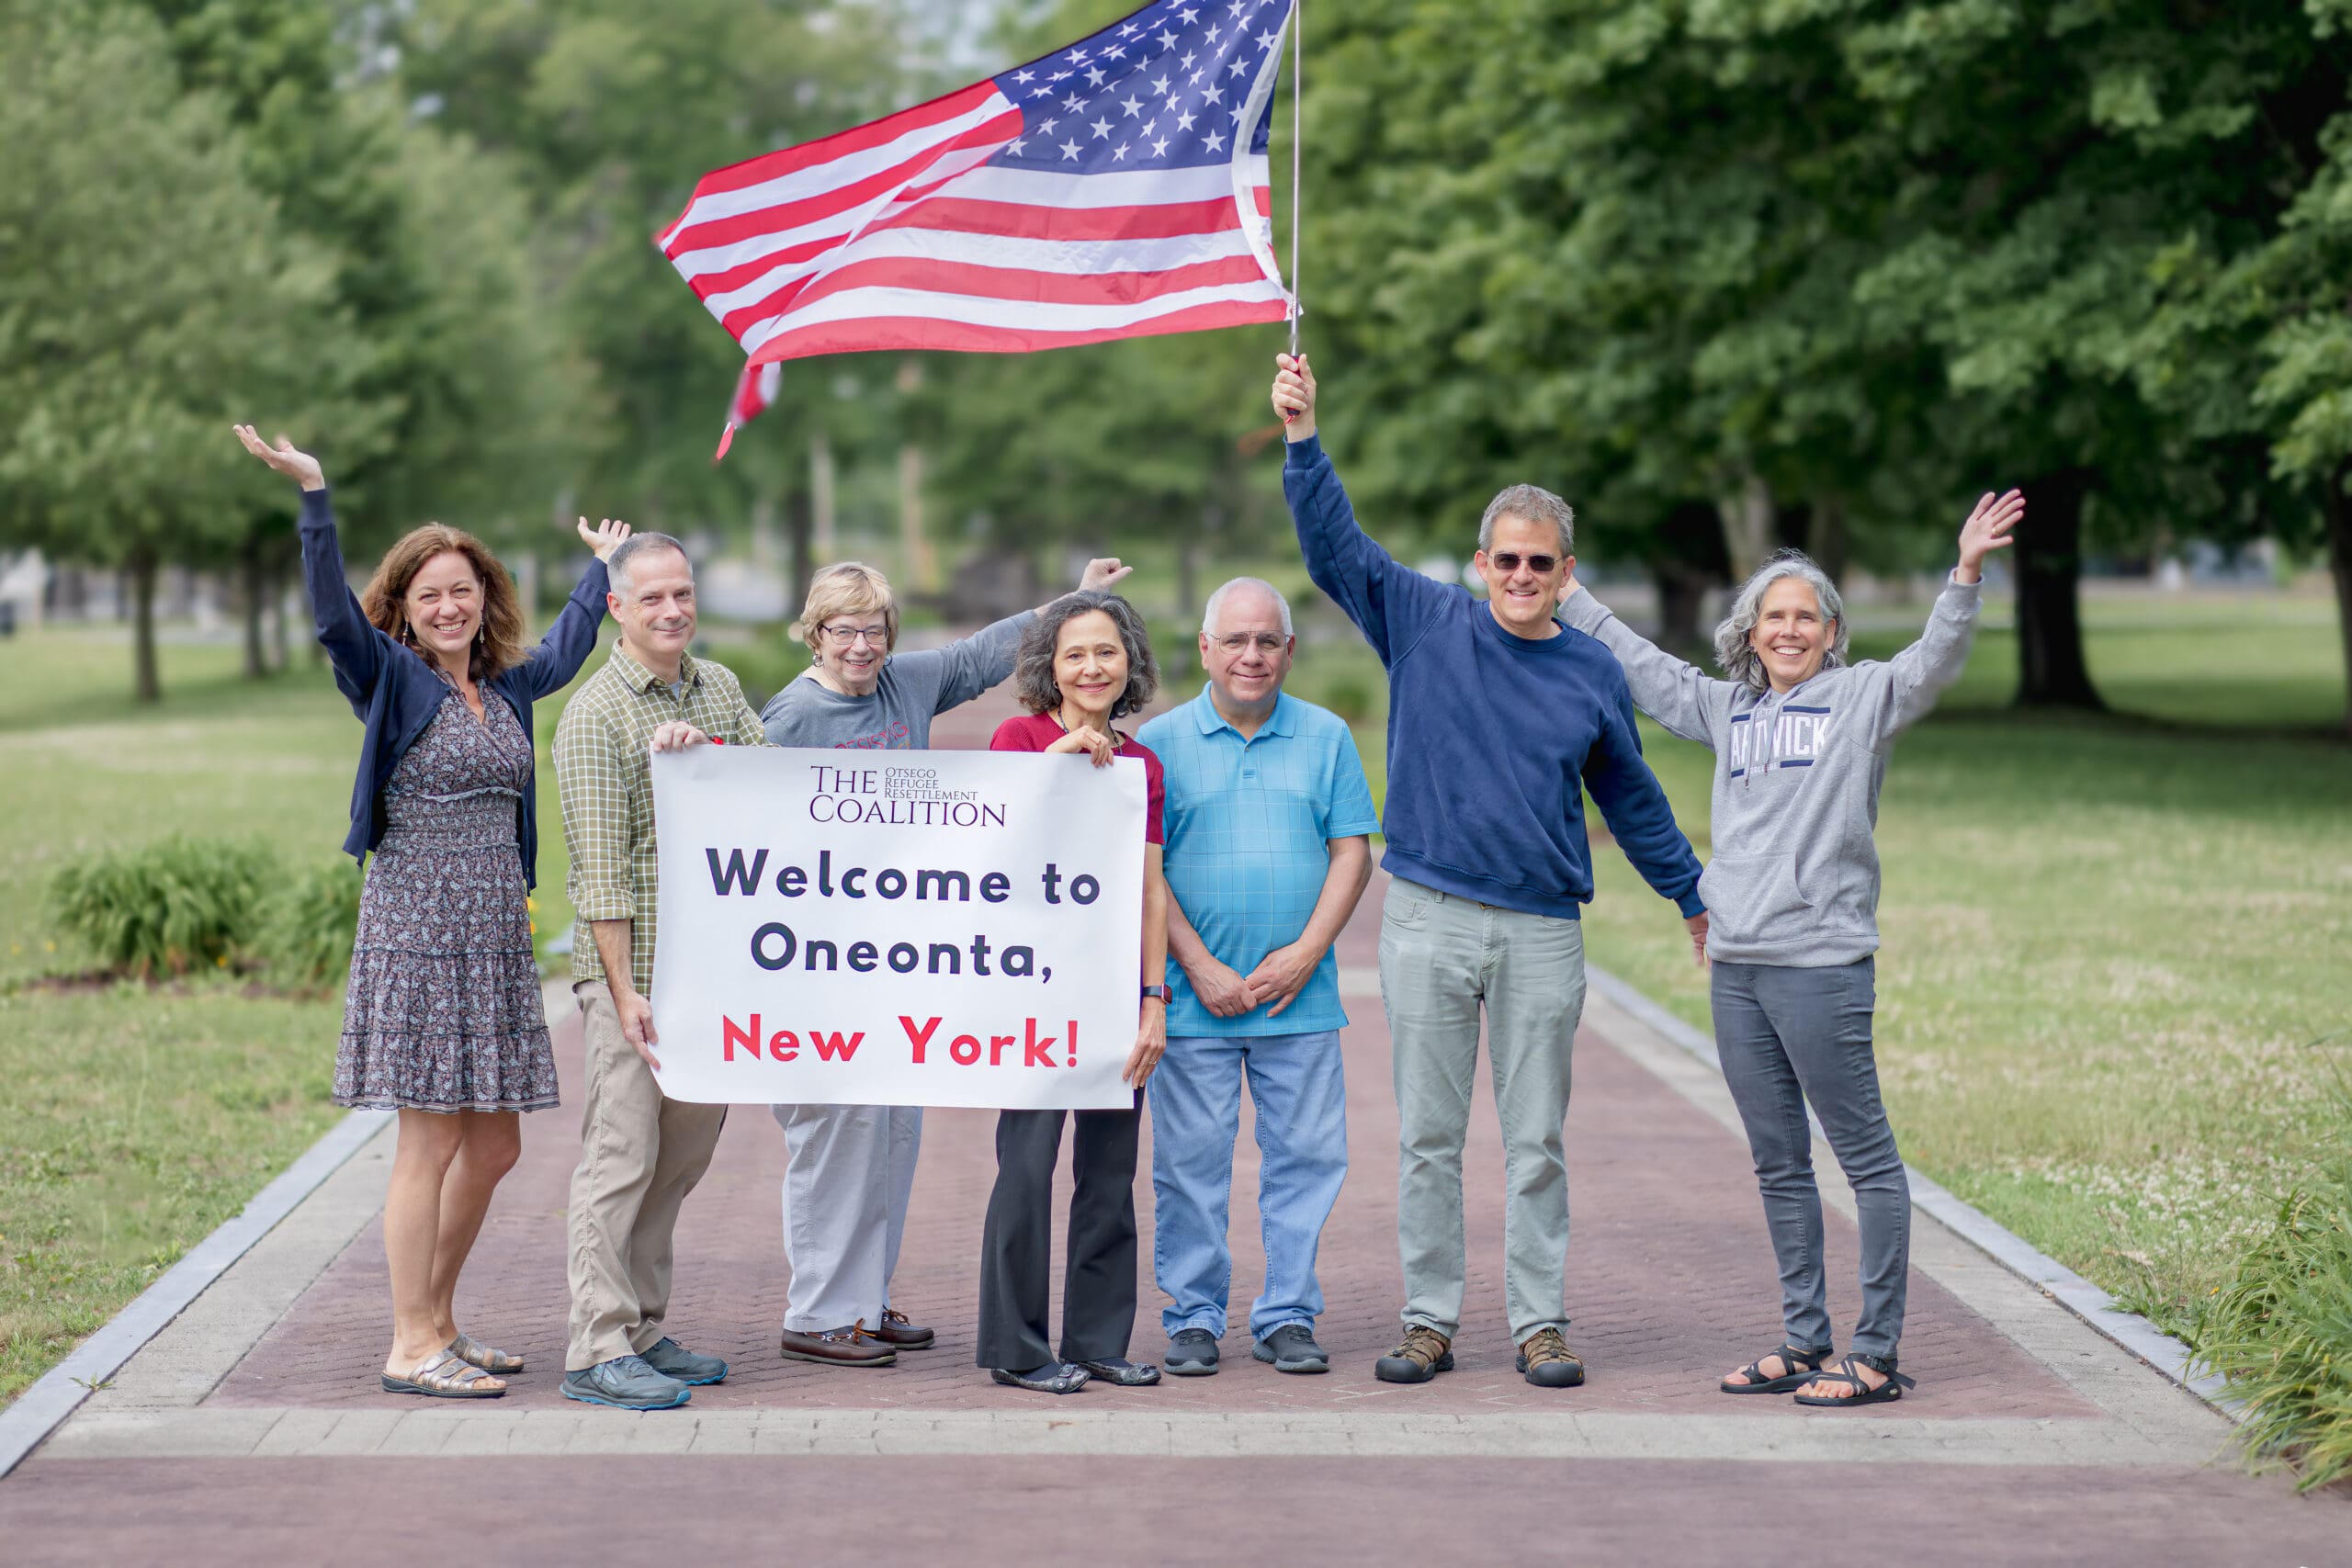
x: 754, y: 390
x: 1116, y: 188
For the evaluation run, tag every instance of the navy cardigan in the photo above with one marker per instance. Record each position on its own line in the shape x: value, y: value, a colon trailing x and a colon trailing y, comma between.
x: 397, y: 693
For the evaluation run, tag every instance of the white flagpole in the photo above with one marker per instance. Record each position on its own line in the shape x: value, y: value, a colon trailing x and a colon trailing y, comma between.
x: 1297, y: 54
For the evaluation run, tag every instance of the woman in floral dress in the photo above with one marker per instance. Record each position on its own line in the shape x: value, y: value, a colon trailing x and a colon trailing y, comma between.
x: 443, y: 1020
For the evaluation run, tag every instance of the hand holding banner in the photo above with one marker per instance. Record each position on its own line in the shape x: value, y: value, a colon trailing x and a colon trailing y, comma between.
x: 897, y: 928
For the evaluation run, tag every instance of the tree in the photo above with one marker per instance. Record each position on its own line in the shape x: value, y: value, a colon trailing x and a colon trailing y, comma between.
x: 147, y: 298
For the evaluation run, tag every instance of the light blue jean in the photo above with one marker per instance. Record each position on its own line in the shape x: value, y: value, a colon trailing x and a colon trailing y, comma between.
x: 1300, y: 1094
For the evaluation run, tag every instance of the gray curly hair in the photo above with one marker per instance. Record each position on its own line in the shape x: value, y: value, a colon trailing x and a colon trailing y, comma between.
x: 1737, y: 656
x: 1032, y: 667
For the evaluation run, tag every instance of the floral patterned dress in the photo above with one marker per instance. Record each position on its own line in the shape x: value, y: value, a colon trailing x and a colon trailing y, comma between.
x: 444, y: 1010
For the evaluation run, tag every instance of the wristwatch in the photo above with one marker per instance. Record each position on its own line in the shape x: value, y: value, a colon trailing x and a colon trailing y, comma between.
x: 1167, y: 994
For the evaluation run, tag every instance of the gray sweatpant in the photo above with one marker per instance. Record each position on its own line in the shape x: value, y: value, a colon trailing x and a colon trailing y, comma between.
x: 1788, y: 1036
x: 849, y: 1171
x: 1441, y: 958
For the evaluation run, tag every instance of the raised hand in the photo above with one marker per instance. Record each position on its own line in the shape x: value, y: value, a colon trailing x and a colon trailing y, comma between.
x: 1103, y: 573
x: 604, y: 538
x: 1988, y: 529
x: 300, y: 467
x: 1293, y: 396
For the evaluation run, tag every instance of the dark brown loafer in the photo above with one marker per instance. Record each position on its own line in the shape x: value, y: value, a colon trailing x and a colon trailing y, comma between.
x: 899, y: 1334
x: 850, y: 1346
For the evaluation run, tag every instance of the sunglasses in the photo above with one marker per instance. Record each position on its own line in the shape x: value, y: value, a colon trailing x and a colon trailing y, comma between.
x: 1508, y: 561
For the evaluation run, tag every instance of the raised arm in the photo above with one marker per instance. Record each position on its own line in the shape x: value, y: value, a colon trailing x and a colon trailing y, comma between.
x: 1391, y: 603
x: 1634, y: 806
x: 1683, y: 697
x: 356, y: 648
x: 572, y: 637
x: 1916, y: 676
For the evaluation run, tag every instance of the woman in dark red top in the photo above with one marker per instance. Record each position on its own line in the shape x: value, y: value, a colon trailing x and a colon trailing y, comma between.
x: 1084, y: 662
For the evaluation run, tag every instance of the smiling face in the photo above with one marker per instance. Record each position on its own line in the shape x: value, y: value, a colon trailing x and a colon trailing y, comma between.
x: 655, y: 608
x: 1520, y: 596
x: 443, y: 606
x: 850, y: 651
x: 1247, y: 653
x: 1090, y: 665
x: 1791, y: 635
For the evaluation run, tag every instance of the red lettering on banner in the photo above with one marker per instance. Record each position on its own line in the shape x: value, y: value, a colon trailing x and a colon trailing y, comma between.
x: 917, y: 1040
x: 832, y: 1048
x: 996, y: 1043
x: 747, y: 1038
x: 783, y: 1045
x: 1037, y: 1051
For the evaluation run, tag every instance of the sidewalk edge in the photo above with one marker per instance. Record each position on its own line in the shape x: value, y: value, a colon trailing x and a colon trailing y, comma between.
x: 61, y: 1391
x: 2086, y: 1301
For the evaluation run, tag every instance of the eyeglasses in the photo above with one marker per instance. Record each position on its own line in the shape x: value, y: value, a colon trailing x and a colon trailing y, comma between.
x: 1268, y: 643
x: 1507, y: 561
x: 872, y: 636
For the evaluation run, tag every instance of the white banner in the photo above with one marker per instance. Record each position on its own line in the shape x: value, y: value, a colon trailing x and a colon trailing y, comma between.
x: 897, y: 928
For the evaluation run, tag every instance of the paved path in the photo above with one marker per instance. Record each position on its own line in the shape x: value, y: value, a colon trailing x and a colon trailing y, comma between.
x: 251, y: 1430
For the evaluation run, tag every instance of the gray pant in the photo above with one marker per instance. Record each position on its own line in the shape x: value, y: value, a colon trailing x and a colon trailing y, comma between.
x: 848, y: 1171
x: 1440, y: 957
x: 1788, y: 1036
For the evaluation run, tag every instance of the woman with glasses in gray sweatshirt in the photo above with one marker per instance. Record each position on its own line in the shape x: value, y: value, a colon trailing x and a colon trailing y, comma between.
x: 1801, y: 736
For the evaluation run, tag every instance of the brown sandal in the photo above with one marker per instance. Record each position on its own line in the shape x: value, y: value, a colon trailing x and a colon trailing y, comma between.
x: 472, y: 1352
x: 442, y: 1375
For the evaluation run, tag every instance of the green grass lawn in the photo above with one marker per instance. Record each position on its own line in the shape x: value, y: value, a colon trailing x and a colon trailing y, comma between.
x: 2109, y: 943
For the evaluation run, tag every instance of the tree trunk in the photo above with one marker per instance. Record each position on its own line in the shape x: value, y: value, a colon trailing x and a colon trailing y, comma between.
x: 1747, y: 525
x: 800, y: 550
x: 253, y: 596
x: 281, y: 655
x: 1681, y: 591
x: 140, y: 570
x: 2051, y: 672
x: 1826, y: 540
x: 2338, y: 510
x: 820, y: 498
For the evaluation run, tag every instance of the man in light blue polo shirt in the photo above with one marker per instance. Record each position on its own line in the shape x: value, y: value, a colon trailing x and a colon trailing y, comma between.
x: 1268, y: 823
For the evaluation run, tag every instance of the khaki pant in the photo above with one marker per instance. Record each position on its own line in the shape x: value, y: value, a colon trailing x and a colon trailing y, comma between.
x: 640, y: 1154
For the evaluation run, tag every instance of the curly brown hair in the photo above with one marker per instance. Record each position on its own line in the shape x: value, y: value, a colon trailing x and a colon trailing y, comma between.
x: 499, y: 646
x: 1032, y: 667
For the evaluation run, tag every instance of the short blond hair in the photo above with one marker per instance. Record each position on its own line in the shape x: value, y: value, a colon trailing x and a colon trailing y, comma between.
x: 851, y: 588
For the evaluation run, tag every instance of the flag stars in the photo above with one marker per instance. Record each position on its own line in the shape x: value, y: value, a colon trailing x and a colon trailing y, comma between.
x: 1116, y: 51
x: 1017, y: 146
x: 1023, y: 78
x: 1159, y: 148
x: 1149, y: 126
x: 1186, y: 63
x: 1214, y: 141
x: 1045, y: 128
x: 1214, y: 96
x: 1094, y: 74
x: 1102, y: 128
x: 1119, y: 153
x: 1167, y: 40
x: 1184, y: 122
x: 1075, y: 102
x: 1159, y: 88
x: 1189, y: 14
x: 1270, y: 37
x: 1076, y: 57
x: 1134, y: 106
x: 1069, y: 150
x: 1041, y: 93
x: 1241, y: 67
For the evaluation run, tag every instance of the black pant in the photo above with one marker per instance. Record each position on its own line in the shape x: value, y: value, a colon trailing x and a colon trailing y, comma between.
x: 1016, y: 1248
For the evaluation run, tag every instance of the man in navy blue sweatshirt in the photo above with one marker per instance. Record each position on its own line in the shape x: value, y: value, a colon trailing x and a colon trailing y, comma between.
x: 1496, y: 713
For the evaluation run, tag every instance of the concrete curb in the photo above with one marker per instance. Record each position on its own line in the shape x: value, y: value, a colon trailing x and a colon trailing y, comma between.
x: 47, y: 1402
x: 2036, y: 1268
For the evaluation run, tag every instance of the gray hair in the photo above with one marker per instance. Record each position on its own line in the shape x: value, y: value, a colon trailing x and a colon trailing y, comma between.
x: 1537, y: 505
x: 1032, y: 667
x: 1737, y: 656
x: 1216, y: 603
x: 621, y: 563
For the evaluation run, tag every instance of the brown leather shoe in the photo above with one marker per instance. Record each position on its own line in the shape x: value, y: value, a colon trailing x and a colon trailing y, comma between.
x: 1423, y: 1354
x: 899, y: 1334
x: 850, y: 1346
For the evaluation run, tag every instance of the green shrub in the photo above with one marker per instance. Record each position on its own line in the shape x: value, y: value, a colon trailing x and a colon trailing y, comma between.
x: 1349, y: 695
x: 309, y: 922
x: 171, y: 906
x: 2280, y: 1333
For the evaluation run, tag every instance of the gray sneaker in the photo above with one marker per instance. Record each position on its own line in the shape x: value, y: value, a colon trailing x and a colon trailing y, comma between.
x: 672, y: 1360
x: 624, y: 1382
x: 1292, y: 1349
x: 1192, y: 1353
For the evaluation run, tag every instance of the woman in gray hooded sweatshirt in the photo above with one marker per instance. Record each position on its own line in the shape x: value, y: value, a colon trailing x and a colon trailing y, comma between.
x: 1800, y: 737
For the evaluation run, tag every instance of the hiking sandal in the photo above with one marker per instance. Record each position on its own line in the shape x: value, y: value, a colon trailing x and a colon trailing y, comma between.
x: 468, y: 1348
x: 1791, y: 1357
x: 442, y: 1375
x: 1891, y: 1389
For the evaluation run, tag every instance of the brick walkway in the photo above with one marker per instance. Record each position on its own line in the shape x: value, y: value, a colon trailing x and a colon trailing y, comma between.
x: 2030, y: 1439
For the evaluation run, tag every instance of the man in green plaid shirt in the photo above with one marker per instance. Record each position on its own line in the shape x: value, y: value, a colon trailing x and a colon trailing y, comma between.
x: 640, y: 1152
